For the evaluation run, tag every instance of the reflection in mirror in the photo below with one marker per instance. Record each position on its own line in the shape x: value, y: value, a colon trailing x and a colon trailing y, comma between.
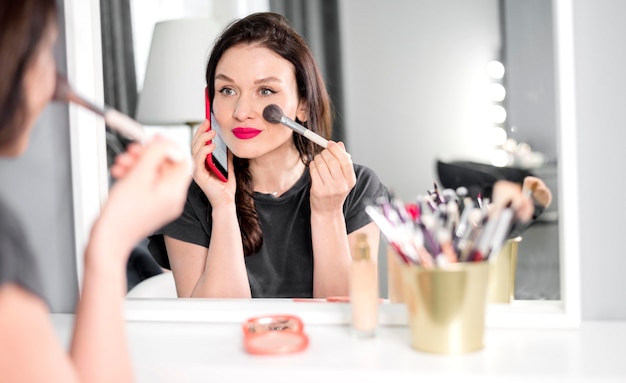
x: 419, y: 76
x: 422, y: 80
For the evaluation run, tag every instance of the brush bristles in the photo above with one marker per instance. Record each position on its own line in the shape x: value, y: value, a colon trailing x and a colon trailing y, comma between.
x: 272, y: 113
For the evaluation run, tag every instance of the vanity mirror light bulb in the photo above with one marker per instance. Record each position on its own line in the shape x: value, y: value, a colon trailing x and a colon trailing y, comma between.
x: 495, y: 69
x: 364, y: 298
x: 498, y: 114
x: 497, y: 92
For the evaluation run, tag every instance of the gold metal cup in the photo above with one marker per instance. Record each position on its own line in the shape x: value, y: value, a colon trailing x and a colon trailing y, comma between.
x: 446, y: 306
x: 501, y: 287
x: 395, y: 287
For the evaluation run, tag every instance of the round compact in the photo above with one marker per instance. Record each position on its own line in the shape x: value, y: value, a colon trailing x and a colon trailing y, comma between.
x: 274, y: 334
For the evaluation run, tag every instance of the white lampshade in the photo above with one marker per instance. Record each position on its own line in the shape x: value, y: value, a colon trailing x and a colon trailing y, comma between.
x: 173, y: 88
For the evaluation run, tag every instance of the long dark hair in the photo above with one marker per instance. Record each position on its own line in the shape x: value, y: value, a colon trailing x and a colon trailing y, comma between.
x: 273, y: 31
x: 23, y: 25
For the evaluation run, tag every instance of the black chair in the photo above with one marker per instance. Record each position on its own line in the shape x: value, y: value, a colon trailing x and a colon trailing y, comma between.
x: 477, y: 177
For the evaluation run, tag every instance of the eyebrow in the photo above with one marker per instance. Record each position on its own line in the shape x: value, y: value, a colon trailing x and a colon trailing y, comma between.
x: 265, y: 80
x: 223, y: 77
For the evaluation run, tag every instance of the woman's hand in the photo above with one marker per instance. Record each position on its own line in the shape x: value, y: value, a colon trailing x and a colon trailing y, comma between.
x: 332, y: 178
x: 510, y: 193
x: 538, y: 189
x: 150, y: 191
x: 521, y: 198
x: 217, y: 192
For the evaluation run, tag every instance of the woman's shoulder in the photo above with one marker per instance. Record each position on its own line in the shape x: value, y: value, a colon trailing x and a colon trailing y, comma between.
x: 194, y: 191
x: 7, y: 216
x: 364, y: 170
x: 11, y: 231
x: 17, y: 259
x: 368, y: 182
x: 365, y: 174
x: 196, y: 197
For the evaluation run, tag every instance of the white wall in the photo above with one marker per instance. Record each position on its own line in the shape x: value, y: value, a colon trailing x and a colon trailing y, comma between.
x: 600, y: 63
x: 395, y: 49
x: 402, y: 111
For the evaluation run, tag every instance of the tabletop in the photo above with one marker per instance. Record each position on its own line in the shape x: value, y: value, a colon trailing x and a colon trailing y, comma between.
x: 214, y: 352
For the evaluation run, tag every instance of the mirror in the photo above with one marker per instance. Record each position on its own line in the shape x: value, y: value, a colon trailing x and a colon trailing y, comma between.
x: 419, y: 75
x: 368, y: 115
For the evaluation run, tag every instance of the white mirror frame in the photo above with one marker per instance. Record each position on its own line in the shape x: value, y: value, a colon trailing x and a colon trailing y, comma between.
x: 87, y: 133
x: 90, y: 184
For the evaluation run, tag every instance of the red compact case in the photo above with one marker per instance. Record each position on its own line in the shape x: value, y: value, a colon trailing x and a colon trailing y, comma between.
x: 274, y: 334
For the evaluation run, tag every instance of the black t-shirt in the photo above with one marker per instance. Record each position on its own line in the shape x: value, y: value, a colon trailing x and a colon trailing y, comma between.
x: 17, y: 259
x: 283, y: 267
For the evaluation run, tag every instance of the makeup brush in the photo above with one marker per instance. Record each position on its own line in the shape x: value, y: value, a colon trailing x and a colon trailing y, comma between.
x: 115, y: 120
x: 273, y: 114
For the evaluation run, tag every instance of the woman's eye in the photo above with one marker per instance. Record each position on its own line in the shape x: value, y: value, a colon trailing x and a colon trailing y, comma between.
x: 266, y: 92
x: 227, y: 91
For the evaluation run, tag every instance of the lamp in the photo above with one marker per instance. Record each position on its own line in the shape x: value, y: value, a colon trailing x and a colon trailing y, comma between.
x: 173, y: 88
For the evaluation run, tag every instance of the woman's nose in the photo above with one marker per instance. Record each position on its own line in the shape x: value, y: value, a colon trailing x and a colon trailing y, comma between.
x: 243, y: 108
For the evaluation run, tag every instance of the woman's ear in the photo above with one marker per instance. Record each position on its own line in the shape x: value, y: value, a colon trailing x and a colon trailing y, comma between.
x: 302, y: 113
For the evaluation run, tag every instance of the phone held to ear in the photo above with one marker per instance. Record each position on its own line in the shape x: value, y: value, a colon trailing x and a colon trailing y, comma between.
x: 217, y: 162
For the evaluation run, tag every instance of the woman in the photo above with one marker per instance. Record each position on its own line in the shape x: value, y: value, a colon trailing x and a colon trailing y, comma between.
x: 285, y: 222
x: 146, y: 178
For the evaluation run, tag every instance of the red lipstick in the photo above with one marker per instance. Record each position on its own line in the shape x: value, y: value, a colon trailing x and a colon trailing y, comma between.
x: 246, y: 133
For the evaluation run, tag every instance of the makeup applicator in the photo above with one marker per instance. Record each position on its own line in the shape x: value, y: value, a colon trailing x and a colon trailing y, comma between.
x: 115, y: 120
x: 273, y: 114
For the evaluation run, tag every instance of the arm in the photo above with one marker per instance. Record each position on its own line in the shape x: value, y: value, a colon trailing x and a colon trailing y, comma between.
x: 99, y: 341
x: 27, y: 336
x: 332, y: 178
x: 331, y: 253
x: 146, y: 178
x: 220, y: 270
x: 331, y: 267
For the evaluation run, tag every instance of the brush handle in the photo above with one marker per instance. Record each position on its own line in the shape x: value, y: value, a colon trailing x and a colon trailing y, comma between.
x: 311, y: 135
x: 116, y: 120
x: 125, y: 125
x: 130, y: 128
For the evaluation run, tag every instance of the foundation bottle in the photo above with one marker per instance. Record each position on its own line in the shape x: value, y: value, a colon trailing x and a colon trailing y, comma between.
x: 364, y: 297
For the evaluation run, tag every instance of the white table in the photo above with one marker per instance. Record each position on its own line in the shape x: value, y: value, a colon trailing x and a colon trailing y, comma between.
x: 212, y: 352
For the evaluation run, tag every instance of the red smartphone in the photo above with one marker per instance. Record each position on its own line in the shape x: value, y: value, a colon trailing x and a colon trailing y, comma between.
x: 217, y: 162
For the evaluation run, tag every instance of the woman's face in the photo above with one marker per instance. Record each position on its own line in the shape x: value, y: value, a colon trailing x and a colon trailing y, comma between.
x: 247, y: 79
x: 39, y: 83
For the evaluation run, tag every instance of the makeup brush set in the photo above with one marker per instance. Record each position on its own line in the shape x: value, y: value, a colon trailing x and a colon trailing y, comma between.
x: 442, y: 227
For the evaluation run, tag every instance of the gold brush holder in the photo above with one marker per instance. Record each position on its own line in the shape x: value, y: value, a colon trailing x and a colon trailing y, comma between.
x: 446, y: 306
x: 501, y: 287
